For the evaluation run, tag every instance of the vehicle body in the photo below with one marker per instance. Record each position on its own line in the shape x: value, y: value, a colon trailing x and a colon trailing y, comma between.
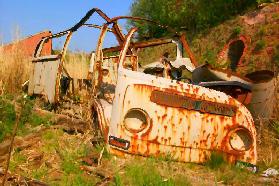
x: 149, y: 115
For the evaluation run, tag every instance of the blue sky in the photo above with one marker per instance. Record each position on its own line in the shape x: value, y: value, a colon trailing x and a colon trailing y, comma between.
x: 32, y: 16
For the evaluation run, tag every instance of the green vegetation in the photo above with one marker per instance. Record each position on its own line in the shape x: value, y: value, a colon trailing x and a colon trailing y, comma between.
x: 117, y: 180
x: 148, y: 172
x: 226, y: 173
x: 232, y: 175
x: 157, y: 52
x: 275, y: 126
x: 7, y: 118
x: 260, y: 44
x: 193, y: 16
x: 236, y: 31
x: 67, y: 158
x: 39, y: 173
x: 266, y: 1
x: 102, y: 147
x: 261, y: 32
x: 275, y: 57
x: 28, y: 119
x: 216, y: 161
x: 17, y: 160
x: 72, y: 151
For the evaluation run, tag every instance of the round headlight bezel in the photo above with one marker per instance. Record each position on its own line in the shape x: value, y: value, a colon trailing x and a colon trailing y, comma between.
x: 141, y: 115
x: 242, y: 133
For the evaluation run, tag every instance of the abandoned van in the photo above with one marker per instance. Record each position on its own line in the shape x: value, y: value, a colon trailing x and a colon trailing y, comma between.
x: 154, y: 114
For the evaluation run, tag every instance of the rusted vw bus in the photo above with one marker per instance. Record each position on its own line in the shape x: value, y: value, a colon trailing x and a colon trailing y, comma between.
x: 152, y: 114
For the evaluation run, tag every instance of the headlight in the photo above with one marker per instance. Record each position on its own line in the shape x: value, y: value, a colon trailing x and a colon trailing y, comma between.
x: 136, y: 120
x: 241, y: 139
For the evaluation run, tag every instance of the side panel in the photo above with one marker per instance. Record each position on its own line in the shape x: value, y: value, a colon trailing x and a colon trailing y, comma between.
x: 43, y: 79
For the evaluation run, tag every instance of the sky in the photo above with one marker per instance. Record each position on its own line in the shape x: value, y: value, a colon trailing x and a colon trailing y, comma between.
x: 22, y: 18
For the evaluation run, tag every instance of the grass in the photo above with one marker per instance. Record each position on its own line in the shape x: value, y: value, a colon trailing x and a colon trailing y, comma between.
x: 141, y: 175
x: 7, y: 118
x: 102, y: 146
x: 149, y: 172
x: 39, y: 173
x: 117, y: 180
x: 11, y: 79
x: 233, y: 175
x: 275, y: 127
x: 28, y: 119
x: 68, y: 150
x: 77, y: 64
x: 73, y: 149
x: 17, y: 159
x: 227, y: 173
x: 76, y: 180
x: 72, y: 174
x: 216, y: 161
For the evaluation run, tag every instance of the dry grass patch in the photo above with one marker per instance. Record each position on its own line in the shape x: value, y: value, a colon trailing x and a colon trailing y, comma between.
x: 14, y: 71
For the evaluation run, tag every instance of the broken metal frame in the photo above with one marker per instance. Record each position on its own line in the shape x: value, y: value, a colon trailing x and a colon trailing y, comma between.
x: 52, y: 93
x: 97, y: 77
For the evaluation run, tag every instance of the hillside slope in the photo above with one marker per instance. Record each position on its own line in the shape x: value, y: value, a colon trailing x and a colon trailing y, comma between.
x: 243, y: 44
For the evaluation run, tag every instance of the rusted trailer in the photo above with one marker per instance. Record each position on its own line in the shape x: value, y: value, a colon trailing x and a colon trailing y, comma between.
x: 153, y: 115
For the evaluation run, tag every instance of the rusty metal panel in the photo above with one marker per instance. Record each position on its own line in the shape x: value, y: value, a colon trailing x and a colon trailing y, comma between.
x: 43, y: 79
x: 189, y: 135
x: 28, y: 45
x: 263, y: 94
